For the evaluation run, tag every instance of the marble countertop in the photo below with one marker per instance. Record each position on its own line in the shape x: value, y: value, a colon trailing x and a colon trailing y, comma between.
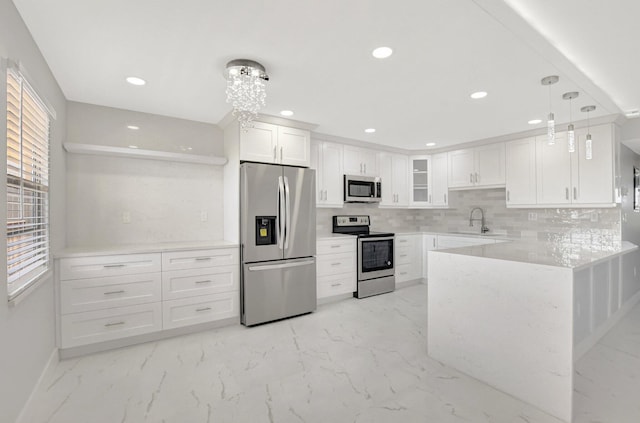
x: 558, y: 254
x: 141, y: 248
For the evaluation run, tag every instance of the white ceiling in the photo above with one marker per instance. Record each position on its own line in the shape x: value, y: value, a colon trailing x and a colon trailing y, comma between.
x: 318, y: 55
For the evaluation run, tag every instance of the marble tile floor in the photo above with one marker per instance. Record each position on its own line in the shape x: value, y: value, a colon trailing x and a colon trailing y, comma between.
x: 350, y: 361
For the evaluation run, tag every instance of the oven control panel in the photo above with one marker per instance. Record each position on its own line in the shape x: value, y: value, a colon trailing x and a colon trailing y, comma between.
x: 352, y: 220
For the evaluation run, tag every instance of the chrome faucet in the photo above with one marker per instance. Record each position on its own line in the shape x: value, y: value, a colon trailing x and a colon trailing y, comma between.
x: 483, y: 227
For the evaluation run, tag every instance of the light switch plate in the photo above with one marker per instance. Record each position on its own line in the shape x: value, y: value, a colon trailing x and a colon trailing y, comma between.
x: 533, y: 216
x: 204, y: 216
x: 126, y: 217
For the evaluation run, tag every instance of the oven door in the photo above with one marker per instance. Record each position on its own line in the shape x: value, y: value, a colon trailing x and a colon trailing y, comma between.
x: 375, y: 257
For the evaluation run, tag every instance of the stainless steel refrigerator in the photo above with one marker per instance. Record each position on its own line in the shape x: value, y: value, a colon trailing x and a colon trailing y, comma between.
x: 278, y: 242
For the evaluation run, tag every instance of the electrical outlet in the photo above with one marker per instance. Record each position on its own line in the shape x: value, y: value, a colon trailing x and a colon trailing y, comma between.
x: 533, y: 216
x: 594, y: 216
x: 204, y: 216
x: 126, y: 217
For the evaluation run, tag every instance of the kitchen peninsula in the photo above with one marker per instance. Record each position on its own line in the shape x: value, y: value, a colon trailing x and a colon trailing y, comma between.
x: 518, y: 315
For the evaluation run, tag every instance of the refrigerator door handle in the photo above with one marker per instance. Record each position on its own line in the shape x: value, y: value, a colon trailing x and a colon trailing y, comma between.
x: 280, y: 216
x: 287, y: 226
x: 262, y: 267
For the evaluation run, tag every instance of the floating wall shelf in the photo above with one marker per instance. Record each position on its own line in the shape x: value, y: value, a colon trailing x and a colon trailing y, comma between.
x: 105, y: 150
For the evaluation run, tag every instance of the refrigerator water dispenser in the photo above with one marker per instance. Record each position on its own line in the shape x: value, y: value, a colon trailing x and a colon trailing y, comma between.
x: 266, y: 230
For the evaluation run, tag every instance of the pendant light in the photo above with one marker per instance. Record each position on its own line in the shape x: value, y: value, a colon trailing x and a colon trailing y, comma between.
x: 571, y: 133
x: 551, y: 122
x: 588, y: 144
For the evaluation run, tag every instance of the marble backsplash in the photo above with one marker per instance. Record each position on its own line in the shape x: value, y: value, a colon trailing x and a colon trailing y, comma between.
x: 566, y: 226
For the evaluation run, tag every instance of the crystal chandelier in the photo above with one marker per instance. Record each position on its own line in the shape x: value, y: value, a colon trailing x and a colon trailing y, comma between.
x: 571, y: 133
x: 246, y: 89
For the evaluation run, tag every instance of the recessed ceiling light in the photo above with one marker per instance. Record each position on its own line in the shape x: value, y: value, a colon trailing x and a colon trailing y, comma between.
x: 370, y: 130
x: 133, y: 127
x: 382, y: 52
x: 430, y: 144
x: 632, y: 113
x: 286, y: 113
x: 134, y: 80
x: 478, y: 94
x: 534, y: 121
x: 133, y: 146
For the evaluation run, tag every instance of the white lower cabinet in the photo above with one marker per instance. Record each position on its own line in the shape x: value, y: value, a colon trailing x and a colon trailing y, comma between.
x: 200, y: 309
x: 336, y: 266
x: 408, y: 257
x: 109, y: 297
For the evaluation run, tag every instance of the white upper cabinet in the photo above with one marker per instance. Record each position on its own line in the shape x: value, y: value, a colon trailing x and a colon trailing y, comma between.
x: 394, y: 176
x: 478, y: 167
x: 565, y: 178
x: 439, y: 177
x: 428, y: 181
x: 326, y: 158
x: 520, y: 172
x: 359, y: 161
x: 268, y: 143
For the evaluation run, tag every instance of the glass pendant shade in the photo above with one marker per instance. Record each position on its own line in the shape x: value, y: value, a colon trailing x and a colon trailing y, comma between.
x: 551, y: 130
x: 588, y: 148
x: 571, y: 139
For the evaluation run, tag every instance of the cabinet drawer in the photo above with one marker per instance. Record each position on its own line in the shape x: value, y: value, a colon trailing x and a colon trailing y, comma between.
x: 114, y: 265
x: 205, y: 308
x: 409, y: 241
x: 407, y: 272
x: 114, y: 323
x: 329, y: 246
x: 80, y: 295
x: 193, y: 259
x: 334, y: 264
x: 406, y: 255
x: 188, y: 283
x: 336, y: 285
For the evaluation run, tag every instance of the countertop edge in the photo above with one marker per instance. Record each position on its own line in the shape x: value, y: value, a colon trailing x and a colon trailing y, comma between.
x: 71, y: 252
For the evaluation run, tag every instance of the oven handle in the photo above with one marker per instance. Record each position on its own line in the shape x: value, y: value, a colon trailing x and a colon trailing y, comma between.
x: 382, y: 238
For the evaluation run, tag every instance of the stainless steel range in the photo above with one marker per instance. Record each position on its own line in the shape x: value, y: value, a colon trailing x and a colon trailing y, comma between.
x: 376, y: 274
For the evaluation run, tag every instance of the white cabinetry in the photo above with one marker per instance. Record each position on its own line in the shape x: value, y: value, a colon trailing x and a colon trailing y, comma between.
x: 359, y: 161
x: 429, y: 242
x: 269, y: 143
x: 520, y: 172
x: 109, y: 297
x: 408, y: 257
x: 478, y: 167
x: 394, y: 178
x: 326, y: 158
x: 428, y: 181
x: 336, y: 266
x: 565, y: 178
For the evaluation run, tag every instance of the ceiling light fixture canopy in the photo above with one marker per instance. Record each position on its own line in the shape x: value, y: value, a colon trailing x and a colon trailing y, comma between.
x: 551, y: 122
x: 246, y: 90
x: 571, y: 133
x: 588, y: 143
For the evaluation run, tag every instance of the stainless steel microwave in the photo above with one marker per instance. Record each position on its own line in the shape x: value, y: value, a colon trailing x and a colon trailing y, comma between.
x: 362, y: 189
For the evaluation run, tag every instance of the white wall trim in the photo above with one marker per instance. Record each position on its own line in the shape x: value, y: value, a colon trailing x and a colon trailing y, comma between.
x: 46, y: 374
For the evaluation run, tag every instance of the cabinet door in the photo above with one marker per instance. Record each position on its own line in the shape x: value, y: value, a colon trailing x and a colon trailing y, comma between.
x: 400, y: 169
x: 368, y: 158
x: 520, y: 172
x: 420, y: 181
x: 461, y: 168
x: 352, y: 161
x: 316, y: 163
x: 294, y: 146
x: 593, y: 179
x: 259, y: 143
x: 332, y: 174
x: 553, y: 171
x: 385, y: 163
x: 439, y: 184
x: 489, y: 165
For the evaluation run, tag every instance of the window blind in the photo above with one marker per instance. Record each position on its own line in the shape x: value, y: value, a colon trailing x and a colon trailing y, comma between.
x: 27, y: 185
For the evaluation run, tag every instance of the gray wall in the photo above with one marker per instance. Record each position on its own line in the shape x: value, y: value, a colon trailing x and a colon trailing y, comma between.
x: 166, y: 201
x: 27, y: 330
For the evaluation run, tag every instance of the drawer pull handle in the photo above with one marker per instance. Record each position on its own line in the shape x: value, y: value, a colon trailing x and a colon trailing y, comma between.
x: 402, y: 240
x: 336, y: 264
x: 403, y: 273
x: 108, y: 325
x: 336, y: 284
x: 203, y: 309
x: 335, y: 246
x: 114, y: 265
x: 403, y: 255
x: 203, y: 258
x: 114, y: 292
x: 207, y: 281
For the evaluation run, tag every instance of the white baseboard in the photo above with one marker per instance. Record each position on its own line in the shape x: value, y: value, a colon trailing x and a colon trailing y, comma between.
x: 47, y: 371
